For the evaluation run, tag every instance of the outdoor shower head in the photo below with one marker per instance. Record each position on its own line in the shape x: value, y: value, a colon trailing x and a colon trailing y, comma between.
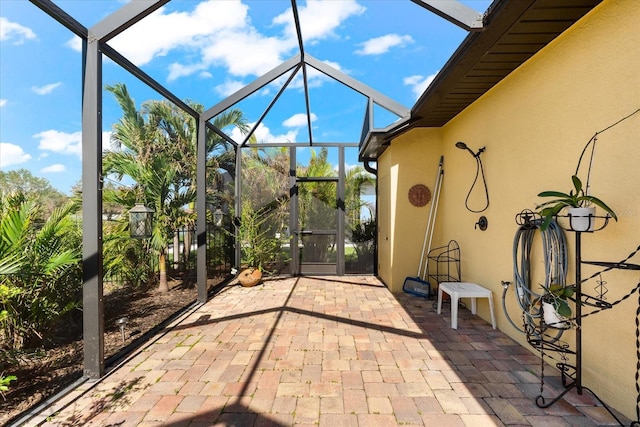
x: 461, y: 145
x: 479, y: 169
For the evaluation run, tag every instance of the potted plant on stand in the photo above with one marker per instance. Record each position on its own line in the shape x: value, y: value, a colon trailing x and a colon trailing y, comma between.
x: 579, y: 207
x: 555, y: 307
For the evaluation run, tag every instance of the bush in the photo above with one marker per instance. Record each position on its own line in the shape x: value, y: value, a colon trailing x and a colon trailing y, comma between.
x: 40, y: 271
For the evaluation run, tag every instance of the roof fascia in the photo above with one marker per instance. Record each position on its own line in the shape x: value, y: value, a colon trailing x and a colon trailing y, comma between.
x: 473, y: 47
x: 375, y: 141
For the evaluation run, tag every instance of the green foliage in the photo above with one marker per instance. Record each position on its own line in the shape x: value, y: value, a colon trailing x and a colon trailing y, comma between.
x: 265, y: 176
x: 4, y: 383
x: 557, y: 296
x: 156, y: 148
x: 126, y: 261
x: 40, y: 271
x: 576, y: 198
x: 21, y: 181
x: 317, y: 203
x: 363, y: 235
x: 259, y: 246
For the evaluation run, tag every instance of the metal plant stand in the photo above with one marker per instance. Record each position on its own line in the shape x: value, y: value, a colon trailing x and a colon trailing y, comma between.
x: 572, y: 375
x: 446, y: 260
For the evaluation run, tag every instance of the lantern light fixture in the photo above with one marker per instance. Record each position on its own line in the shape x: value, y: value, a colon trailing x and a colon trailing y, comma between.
x: 140, y: 221
x: 218, y: 216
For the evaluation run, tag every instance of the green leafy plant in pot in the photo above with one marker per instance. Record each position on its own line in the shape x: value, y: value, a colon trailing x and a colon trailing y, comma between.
x: 259, y: 245
x: 578, y: 203
x: 555, y: 306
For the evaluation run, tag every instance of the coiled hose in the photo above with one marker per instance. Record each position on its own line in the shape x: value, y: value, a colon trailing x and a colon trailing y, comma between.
x: 554, y: 246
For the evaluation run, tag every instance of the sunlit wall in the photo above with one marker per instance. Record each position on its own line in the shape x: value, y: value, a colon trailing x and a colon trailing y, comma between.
x: 534, y: 125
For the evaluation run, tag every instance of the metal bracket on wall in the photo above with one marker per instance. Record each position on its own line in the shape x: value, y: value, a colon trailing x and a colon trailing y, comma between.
x: 482, y: 223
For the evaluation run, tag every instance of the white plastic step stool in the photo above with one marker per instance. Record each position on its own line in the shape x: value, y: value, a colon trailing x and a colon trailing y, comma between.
x: 457, y: 290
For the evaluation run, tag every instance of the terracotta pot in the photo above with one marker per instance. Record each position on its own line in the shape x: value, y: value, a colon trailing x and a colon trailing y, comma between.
x: 250, y: 277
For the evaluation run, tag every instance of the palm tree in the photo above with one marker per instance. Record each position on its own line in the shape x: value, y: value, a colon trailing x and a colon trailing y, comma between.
x: 317, y: 203
x: 156, y: 148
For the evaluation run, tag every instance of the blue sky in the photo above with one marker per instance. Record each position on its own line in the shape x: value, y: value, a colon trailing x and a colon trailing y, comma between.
x: 203, y: 51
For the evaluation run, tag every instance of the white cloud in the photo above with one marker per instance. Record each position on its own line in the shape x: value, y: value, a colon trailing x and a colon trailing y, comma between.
x: 222, y: 34
x: 56, y: 168
x: 11, y: 154
x: 298, y: 120
x: 3, y: 102
x: 380, y: 45
x: 14, y: 31
x: 319, y: 19
x: 161, y: 32
x: 263, y: 135
x: 60, y: 142
x: 229, y: 87
x: 46, y: 89
x: 177, y: 70
x: 75, y: 43
x: 230, y: 47
x: 418, y: 83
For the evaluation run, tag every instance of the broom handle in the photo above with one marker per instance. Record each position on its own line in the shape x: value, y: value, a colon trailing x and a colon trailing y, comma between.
x: 431, y: 212
x: 435, y: 214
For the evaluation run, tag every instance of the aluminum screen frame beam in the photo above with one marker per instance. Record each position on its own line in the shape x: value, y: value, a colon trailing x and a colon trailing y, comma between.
x: 125, y: 17
x: 116, y: 57
x: 377, y: 97
x: 54, y: 11
x: 270, y: 106
x: 201, y: 210
x: 455, y: 12
x: 92, y: 274
x: 252, y: 87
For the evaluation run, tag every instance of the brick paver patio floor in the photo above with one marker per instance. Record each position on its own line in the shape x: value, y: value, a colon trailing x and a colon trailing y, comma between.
x: 327, y: 351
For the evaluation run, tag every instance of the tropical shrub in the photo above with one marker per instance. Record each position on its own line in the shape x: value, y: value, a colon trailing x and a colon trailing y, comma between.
x: 4, y: 383
x: 126, y: 261
x: 363, y: 235
x: 155, y: 147
x: 260, y: 248
x: 40, y: 271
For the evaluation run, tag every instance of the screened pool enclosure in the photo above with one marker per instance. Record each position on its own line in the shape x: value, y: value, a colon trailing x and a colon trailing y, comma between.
x: 310, y: 201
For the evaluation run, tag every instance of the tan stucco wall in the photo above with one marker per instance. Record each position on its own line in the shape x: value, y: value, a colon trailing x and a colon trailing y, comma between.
x: 402, y: 226
x: 534, y: 126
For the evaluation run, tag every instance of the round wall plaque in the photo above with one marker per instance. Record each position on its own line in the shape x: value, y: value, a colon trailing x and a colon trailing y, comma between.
x: 419, y: 195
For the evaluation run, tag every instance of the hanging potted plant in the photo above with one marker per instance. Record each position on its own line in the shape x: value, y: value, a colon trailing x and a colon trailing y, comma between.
x: 579, y: 207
